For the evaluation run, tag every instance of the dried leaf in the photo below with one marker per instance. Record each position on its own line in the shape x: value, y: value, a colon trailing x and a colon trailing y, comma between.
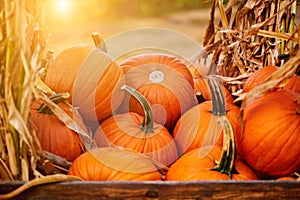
x: 209, y: 33
x: 86, y: 138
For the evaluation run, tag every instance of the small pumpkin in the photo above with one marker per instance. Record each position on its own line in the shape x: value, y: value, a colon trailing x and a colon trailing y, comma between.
x: 133, y: 131
x: 54, y: 136
x: 192, y: 167
x: 164, y: 81
x: 113, y: 164
x: 198, y: 126
x: 270, y: 137
x: 202, y: 90
x: 92, y: 79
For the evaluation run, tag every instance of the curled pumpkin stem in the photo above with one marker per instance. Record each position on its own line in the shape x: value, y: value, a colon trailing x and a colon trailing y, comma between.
x: 39, y: 181
x: 226, y: 164
x: 147, y: 124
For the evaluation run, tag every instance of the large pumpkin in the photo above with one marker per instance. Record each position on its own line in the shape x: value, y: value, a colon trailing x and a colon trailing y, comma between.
x: 113, y: 164
x: 270, y: 139
x: 199, y: 127
x: 191, y: 166
x: 164, y: 81
x: 92, y: 79
x: 133, y: 131
x: 54, y: 135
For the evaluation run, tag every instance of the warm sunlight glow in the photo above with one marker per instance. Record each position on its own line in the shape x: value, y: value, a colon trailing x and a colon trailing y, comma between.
x: 63, y: 5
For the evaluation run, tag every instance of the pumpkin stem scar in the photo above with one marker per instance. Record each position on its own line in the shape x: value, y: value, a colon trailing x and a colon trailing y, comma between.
x: 147, y: 124
x: 156, y: 76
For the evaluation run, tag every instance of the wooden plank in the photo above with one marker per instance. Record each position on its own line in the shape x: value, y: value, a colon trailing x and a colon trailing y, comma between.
x: 160, y: 190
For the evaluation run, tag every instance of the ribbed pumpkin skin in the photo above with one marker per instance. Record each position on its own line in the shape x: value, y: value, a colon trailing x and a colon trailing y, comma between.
x: 54, y: 136
x: 264, y: 73
x: 112, y: 164
x: 201, y: 86
x: 192, y: 127
x: 258, y: 77
x: 124, y: 130
x: 91, y: 78
x: 190, y: 167
x: 169, y: 97
x: 293, y: 84
x: 270, y: 138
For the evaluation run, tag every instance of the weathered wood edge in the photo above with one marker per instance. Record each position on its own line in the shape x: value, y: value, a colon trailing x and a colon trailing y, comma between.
x: 160, y: 190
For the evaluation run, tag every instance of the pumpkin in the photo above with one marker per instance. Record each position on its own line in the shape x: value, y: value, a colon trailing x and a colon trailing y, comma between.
x: 139, y: 133
x: 293, y: 84
x: 191, y: 167
x: 54, y: 136
x: 270, y: 137
x: 202, y: 90
x: 113, y: 164
x: 198, y: 126
x: 164, y: 81
x: 91, y: 78
x: 262, y: 74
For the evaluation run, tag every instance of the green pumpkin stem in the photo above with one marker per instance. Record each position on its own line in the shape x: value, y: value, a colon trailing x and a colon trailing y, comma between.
x: 226, y: 163
x: 56, y: 98
x: 147, y: 124
x: 217, y: 97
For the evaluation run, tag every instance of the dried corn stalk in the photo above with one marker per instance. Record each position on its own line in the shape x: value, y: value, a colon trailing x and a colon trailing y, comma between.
x: 250, y: 35
x: 22, y: 51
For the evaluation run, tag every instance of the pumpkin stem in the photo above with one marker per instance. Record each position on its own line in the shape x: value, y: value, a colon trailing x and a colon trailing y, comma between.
x: 56, y: 98
x: 147, y: 124
x: 226, y: 164
x: 217, y: 97
x: 99, y: 41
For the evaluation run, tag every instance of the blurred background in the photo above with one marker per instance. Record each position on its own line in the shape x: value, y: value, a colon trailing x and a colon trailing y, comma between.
x: 72, y: 21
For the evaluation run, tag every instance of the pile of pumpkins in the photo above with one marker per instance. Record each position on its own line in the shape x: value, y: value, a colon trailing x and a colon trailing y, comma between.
x: 151, y: 117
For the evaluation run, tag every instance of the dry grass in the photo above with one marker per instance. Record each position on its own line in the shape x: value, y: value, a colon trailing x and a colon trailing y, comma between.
x: 22, y: 51
x: 250, y: 35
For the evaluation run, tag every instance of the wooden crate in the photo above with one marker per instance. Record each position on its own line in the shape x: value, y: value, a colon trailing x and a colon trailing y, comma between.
x: 160, y: 190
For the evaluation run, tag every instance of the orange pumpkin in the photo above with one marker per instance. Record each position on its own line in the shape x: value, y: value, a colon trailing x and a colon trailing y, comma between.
x: 202, y: 90
x: 91, y: 78
x: 191, y: 166
x: 293, y: 84
x: 139, y: 133
x: 199, y: 123
x: 264, y: 73
x: 164, y: 81
x: 270, y: 137
x: 54, y: 136
x: 113, y: 164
